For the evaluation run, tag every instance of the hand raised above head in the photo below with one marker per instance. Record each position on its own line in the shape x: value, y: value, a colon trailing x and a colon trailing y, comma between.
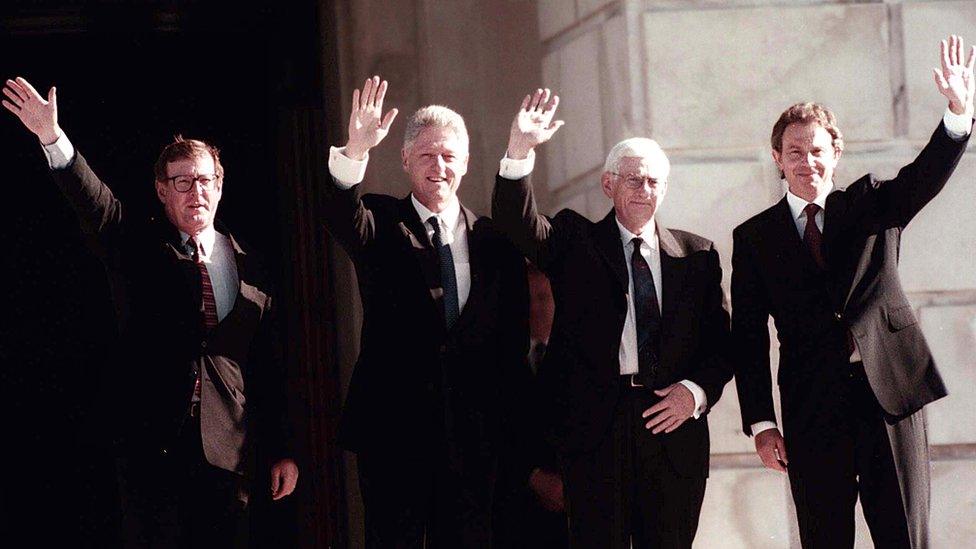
x: 367, y: 125
x: 38, y: 115
x: 955, y: 79
x: 533, y: 124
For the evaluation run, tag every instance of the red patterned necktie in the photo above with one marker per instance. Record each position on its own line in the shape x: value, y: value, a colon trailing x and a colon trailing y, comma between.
x: 208, y: 305
x: 812, y: 236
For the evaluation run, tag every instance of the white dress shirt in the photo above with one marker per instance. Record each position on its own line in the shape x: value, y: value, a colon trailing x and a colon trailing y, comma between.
x: 348, y: 172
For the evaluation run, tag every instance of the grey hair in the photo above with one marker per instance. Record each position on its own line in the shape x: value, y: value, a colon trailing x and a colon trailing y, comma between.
x: 434, y: 116
x: 637, y: 147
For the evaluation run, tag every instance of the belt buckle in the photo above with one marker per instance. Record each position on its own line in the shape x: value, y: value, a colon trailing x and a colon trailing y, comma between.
x: 634, y: 383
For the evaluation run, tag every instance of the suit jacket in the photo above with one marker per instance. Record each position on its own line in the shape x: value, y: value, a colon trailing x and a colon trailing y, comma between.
x: 860, y: 291
x: 586, y: 266
x: 418, y: 388
x: 157, y: 292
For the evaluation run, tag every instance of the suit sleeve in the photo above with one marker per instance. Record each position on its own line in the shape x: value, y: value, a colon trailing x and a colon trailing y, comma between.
x: 714, y: 370
x: 516, y: 214
x: 276, y: 435
x: 347, y: 218
x: 98, y: 211
x: 917, y: 183
x: 750, y: 335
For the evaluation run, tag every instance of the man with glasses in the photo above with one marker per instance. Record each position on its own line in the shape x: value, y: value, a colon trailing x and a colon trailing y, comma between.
x: 636, y: 354
x: 198, y: 378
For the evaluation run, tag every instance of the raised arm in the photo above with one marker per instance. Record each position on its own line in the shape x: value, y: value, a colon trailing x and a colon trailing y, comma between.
x: 345, y: 215
x: 97, y: 208
x: 917, y: 183
x: 513, y: 204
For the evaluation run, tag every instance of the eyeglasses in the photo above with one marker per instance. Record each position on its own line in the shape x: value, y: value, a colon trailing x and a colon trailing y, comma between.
x: 636, y: 182
x: 183, y: 183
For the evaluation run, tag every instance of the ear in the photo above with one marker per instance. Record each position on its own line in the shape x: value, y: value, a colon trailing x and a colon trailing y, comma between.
x: 605, y: 182
x: 776, y: 159
x: 161, y: 190
x: 464, y: 165
x: 837, y: 154
x: 404, y: 154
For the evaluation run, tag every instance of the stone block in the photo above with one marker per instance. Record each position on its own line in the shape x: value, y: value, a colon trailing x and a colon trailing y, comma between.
x: 951, y: 333
x: 925, y: 24
x: 580, y: 104
x: 726, y: 87
x: 555, y: 16
x: 953, y: 519
x: 745, y: 509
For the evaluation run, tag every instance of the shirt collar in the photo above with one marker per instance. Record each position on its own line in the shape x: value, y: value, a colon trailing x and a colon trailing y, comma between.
x: 797, y: 204
x: 206, y: 238
x: 648, y: 233
x: 448, y: 216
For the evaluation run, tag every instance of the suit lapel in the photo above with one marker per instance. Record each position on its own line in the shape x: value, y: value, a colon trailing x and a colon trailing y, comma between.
x: 611, y: 248
x: 478, y: 265
x: 791, y: 247
x: 423, y: 255
x: 672, y: 276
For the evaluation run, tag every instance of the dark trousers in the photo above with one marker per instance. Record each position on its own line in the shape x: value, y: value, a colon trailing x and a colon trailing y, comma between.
x: 420, y: 502
x: 627, y: 489
x: 178, y: 499
x: 855, y: 453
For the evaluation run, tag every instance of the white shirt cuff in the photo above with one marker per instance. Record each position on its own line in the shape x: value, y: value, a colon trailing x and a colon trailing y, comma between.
x: 957, y: 126
x: 761, y: 426
x: 701, y: 401
x: 60, y: 153
x: 346, y: 171
x: 516, y: 169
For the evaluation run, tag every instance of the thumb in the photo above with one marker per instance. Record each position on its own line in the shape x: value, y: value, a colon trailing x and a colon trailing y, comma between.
x: 388, y: 119
x: 275, y: 481
x: 940, y: 80
x: 556, y: 124
x: 52, y: 96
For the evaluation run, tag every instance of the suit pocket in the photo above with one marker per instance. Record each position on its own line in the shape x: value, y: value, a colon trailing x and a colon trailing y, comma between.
x: 901, y: 317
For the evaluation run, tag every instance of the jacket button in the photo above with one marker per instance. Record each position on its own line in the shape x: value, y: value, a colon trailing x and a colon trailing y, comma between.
x: 165, y: 451
x: 203, y: 344
x: 838, y: 316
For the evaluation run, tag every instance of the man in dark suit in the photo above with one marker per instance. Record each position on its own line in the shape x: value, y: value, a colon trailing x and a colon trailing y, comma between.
x: 198, y: 379
x: 442, y: 367
x: 854, y: 368
x: 635, y: 357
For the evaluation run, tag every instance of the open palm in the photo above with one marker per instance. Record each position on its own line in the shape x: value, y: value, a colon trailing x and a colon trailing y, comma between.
x: 533, y: 124
x: 38, y: 115
x: 955, y: 81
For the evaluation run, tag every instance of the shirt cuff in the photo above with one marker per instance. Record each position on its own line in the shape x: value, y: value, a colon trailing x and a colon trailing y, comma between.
x: 761, y: 426
x: 516, y: 169
x: 60, y: 153
x: 957, y: 126
x: 344, y: 170
x: 701, y: 401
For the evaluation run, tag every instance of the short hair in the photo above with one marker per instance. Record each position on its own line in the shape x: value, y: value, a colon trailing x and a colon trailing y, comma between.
x: 804, y: 113
x: 635, y: 147
x: 434, y: 116
x: 181, y: 149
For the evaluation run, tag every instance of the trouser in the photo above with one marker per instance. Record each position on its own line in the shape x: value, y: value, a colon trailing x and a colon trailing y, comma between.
x: 856, y: 453
x: 627, y: 489
x: 178, y: 499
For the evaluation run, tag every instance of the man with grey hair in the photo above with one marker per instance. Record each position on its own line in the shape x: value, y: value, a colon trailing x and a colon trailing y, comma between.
x: 442, y: 367
x: 636, y: 355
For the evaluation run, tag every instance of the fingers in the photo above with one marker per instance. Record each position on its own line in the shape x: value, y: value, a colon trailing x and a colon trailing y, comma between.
x: 664, y: 392
x: 972, y: 58
x: 18, y: 89
x: 944, y: 56
x: 276, y: 482
x: 27, y: 87
x: 14, y: 97
x: 660, y: 405
x: 525, y: 103
x: 287, y: 486
x: 52, y: 96
x: 959, y: 50
x: 781, y: 450
x: 380, y: 94
x: 355, y: 100
x: 10, y: 107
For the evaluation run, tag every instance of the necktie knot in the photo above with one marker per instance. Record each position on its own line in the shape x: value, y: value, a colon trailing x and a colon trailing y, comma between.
x: 435, y: 224
x: 195, y: 248
x: 811, y: 210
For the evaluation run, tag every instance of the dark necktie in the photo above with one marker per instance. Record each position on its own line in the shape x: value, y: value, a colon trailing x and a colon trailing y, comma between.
x: 208, y: 305
x: 647, y: 316
x: 452, y: 309
x: 812, y: 236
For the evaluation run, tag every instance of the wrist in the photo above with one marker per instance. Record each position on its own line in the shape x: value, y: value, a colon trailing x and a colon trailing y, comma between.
x: 50, y: 136
x: 355, y: 152
x: 517, y: 153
